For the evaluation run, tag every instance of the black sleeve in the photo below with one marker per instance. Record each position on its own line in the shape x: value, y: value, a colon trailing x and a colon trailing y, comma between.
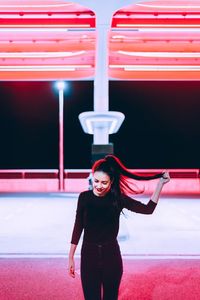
x: 78, y: 224
x: 137, y: 206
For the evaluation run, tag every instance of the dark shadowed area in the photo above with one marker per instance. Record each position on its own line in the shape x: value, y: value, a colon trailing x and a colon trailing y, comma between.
x: 161, y: 129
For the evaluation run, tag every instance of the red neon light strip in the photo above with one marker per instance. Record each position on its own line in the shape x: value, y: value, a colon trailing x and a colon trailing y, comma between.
x: 159, y: 75
x: 140, y: 23
x: 72, y: 22
x: 47, y: 75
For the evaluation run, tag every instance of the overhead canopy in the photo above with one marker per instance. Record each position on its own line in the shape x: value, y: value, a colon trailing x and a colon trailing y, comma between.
x: 55, y: 39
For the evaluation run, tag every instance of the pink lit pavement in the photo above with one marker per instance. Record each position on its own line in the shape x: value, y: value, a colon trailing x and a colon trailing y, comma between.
x: 161, y: 252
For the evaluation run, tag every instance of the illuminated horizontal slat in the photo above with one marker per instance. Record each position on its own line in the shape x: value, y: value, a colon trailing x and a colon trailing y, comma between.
x: 162, y: 54
x: 152, y: 14
x: 32, y: 6
x: 43, y: 16
x: 169, y: 5
x: 160, y: 29
x: 155, y: 68
x: 39, y: 54
x: 47, y: 26
x: 42, y: 68
x: 11, y: 29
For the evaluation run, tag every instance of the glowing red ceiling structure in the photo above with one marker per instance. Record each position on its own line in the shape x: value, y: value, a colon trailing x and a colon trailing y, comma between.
x: 157, y: 40
x: 46, y: 40
x: 55, y: 39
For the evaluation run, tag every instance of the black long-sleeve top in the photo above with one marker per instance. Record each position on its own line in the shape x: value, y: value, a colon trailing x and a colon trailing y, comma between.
x: 99, y: 217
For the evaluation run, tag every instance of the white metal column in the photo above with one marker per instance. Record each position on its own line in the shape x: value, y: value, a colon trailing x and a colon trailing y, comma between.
x: 102, y: 122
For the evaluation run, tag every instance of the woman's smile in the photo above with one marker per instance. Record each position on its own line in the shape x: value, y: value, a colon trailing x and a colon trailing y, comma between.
x: 101, y: 183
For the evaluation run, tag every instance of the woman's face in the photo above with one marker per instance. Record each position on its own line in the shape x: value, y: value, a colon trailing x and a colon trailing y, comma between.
x: 101, y: 183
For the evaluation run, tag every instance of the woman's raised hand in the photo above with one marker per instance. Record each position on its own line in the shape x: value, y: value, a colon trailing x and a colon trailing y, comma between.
x: 165, y: 177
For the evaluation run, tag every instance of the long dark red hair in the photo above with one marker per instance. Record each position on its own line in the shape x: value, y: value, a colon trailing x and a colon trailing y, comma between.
x: 120, y: 175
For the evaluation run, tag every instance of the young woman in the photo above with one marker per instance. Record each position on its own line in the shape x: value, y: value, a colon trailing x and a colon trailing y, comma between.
x: 98, y: 213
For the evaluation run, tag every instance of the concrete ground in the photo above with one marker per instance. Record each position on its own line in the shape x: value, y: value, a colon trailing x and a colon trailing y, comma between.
x: 41, y: 225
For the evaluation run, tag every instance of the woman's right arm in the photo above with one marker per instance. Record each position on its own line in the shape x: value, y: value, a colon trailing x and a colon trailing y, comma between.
x: 71, y: 264
x: 78, y: 228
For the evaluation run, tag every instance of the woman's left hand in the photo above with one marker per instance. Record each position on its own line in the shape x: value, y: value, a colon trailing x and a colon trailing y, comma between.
x: 165, y: 177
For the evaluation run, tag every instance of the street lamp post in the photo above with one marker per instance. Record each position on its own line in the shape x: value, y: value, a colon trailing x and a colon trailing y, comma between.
x: 61, y: 86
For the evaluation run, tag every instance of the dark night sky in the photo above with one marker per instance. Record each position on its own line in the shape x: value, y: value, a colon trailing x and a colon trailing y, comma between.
x: 161, y: 129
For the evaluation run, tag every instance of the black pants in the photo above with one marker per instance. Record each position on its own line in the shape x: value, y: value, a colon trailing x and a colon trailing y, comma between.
x: 101, y: 270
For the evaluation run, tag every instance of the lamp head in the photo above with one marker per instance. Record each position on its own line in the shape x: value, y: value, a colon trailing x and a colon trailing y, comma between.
x: 60, y: 85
